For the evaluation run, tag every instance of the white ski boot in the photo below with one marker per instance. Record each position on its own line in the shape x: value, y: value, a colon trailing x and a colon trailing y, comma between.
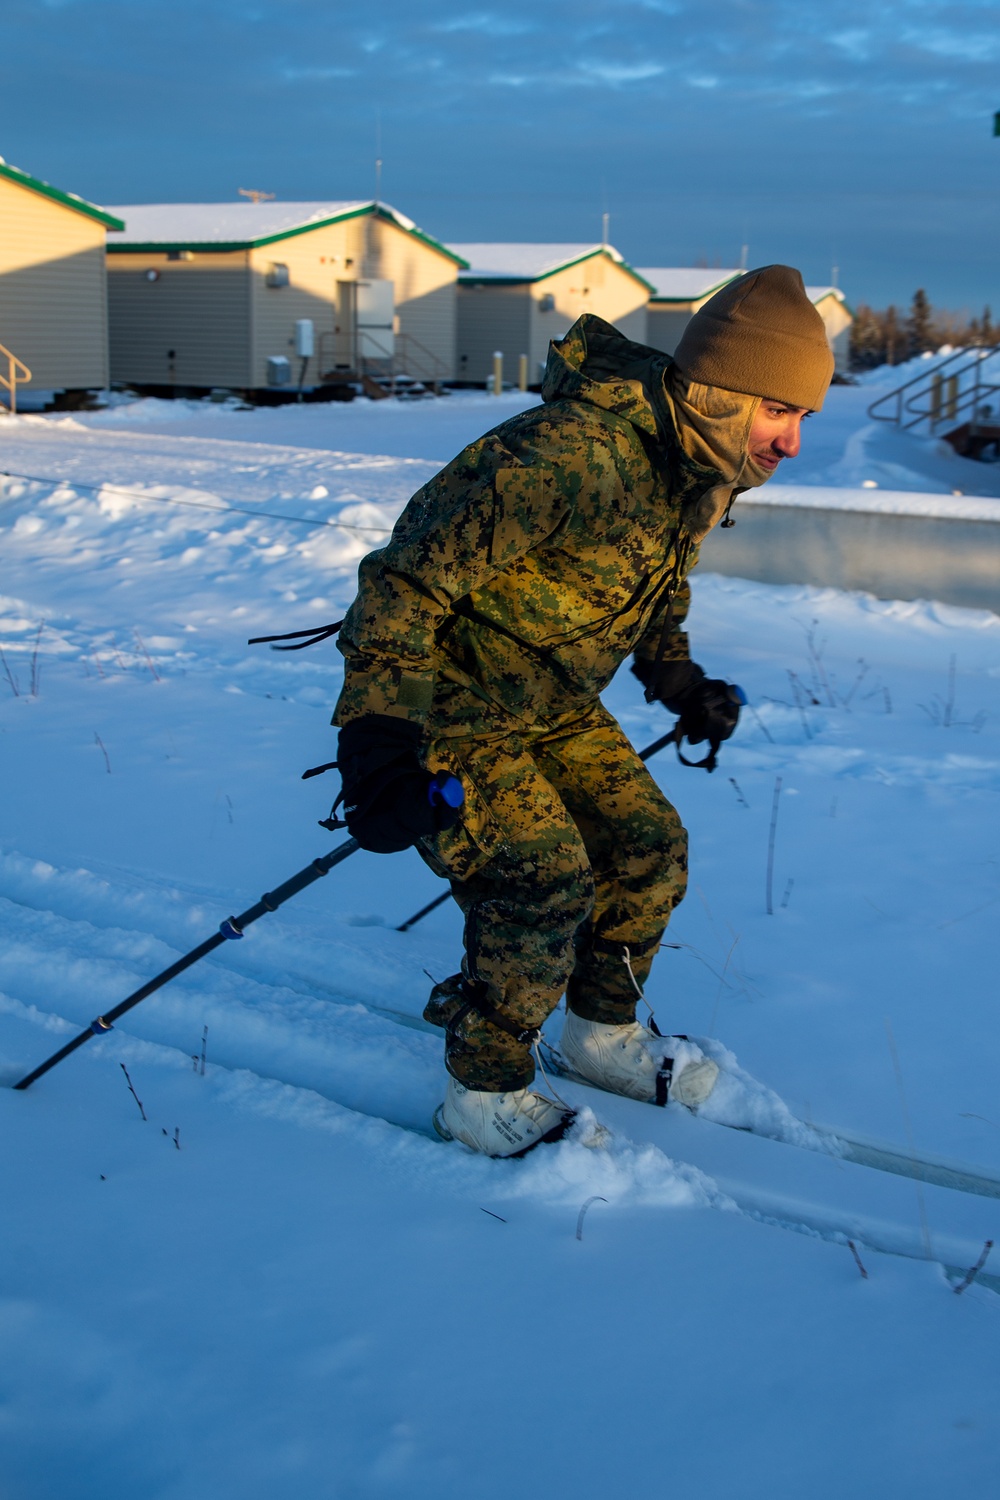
x: 500, y: 1124
x: 635, y: 1062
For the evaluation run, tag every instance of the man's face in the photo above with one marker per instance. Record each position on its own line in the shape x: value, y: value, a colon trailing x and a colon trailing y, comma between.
x: 775, y: 433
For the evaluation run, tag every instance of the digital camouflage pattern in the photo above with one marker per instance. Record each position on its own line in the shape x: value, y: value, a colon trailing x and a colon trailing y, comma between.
x: 514, y: 585
x: 573, y: 856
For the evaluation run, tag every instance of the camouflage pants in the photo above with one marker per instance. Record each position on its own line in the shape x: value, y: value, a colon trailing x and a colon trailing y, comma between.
x: 568, y: 854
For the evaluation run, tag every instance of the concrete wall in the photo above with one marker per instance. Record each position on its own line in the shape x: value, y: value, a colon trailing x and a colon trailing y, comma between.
x: 890, y: 556
x: 53, y: 308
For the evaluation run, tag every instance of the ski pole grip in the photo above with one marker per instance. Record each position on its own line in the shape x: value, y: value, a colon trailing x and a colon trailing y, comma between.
x: 445, y: 790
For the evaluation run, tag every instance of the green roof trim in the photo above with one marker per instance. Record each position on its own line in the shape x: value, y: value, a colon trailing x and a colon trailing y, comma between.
x: 223, y: 247
x: 568, y: 265
x: 68, y: 200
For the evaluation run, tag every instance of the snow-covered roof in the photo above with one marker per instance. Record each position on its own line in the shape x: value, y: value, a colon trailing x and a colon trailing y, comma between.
x: 68, y: 200
x: 529, y: 262
x: 817, y: 293
x: 685, y: 283
x: 692, y: 283
x: 240, y: 226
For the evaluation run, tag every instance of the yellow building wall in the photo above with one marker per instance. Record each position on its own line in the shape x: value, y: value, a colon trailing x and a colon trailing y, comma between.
x: 53, y: 308
x: 317, y: 261
x: 596, y: 285
x: 190, y: 327
x: 837, y: 321
x: 517, y: 320
x: 426, y: 290
x: 320, y: 262
x: 214, y: 318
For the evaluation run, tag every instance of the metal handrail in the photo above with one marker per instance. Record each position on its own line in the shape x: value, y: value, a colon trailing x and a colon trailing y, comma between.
x: 932, y: 383
x: 438, y: 368
x: 948, y: 409
x: 12, y: 379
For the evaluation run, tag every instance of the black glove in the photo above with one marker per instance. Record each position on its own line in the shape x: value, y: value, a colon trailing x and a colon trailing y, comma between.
x: 390, y: 801
x: 707, y: 707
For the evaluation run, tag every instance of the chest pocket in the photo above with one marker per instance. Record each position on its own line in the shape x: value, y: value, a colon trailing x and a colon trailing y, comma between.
x: 526, y: 511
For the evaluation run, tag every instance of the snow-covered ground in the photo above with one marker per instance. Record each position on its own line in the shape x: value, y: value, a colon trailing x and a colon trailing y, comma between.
x: 302, y: 1291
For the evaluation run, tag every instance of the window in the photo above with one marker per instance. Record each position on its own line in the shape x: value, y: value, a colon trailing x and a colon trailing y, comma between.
x: 277, y: 274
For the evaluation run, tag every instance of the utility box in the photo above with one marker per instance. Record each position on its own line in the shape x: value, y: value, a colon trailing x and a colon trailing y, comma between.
x: 304, y: 338
x: 374, y: 311
x: 279, y: 370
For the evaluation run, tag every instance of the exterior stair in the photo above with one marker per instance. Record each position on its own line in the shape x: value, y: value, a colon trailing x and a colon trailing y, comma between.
x: 964, y: 386
x: 13, y: 372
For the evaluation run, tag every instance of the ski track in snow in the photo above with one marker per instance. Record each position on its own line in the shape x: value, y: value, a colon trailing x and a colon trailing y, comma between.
x: 156, y: 773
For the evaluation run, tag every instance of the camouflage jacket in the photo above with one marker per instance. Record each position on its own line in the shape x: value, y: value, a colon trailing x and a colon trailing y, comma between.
x: 519, y: 578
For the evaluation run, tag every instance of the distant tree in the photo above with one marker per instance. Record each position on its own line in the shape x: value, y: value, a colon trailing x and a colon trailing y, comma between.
x: 919, y: 328
x: 891, y: 335
x: 867, y: 342
x: 877, y: 337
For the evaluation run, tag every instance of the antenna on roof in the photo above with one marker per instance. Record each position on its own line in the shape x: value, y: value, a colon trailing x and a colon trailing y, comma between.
x: 254, y: 194
x: 744, y: 253
x: 605, y: 228
x: 378, y: 154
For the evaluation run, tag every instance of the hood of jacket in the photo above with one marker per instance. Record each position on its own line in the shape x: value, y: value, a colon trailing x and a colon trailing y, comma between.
x: 703, y: 429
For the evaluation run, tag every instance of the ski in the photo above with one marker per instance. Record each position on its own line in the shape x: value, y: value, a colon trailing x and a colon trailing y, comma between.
x: 847, y: 1145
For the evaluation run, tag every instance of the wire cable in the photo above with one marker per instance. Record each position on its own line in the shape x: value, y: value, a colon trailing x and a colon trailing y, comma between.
x: 241, y: 510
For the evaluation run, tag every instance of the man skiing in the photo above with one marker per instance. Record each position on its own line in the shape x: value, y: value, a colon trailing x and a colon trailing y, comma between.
x: 514, y: 585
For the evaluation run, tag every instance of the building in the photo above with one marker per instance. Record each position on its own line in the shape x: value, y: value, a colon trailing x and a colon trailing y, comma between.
x: 53, y: 298
x: 515, y: 298
x: 679, y: 291
x: 682, y: 290
x: 831, y: 304
x: 238, y: 295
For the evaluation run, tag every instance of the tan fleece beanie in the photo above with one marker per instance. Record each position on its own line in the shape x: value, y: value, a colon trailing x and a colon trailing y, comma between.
x: 760, y: 335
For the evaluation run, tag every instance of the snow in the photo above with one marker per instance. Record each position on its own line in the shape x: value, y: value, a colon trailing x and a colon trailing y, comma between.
x: 526, y: 262
x: 876, y: 501
x: 227, y: 223
x: 690, y: 283
x: 307, y: 1292
x: 685, y: 283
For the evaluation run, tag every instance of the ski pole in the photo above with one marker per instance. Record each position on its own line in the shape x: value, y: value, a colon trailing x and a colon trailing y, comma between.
x: 425, y: 911
x: 231, y: 928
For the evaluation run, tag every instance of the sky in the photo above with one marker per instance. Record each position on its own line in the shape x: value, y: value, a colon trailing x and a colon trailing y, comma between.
x: 847, y: 134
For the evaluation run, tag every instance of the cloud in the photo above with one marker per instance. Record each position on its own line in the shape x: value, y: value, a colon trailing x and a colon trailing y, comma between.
x: 485, y: 24
x: 498, y: 119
